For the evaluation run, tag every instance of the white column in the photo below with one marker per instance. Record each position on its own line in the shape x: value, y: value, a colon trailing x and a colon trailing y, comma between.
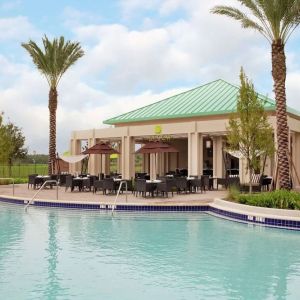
x: 195, y: 154
x: 296, y: 158
x: 91, y: 167
x: 128, y: 168
x: 153, y: 166
x: 218, y: 162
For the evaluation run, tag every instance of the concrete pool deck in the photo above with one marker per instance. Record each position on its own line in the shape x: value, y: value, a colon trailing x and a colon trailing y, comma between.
x: 210, y: 202
x: 21, y: 191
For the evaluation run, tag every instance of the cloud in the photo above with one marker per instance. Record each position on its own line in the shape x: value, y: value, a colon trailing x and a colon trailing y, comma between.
x: 10, y: 5
x: 15, y: 28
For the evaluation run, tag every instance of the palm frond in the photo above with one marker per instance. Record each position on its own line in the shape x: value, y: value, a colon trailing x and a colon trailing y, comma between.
x: 56, y: 57
x: 275, y: 19
x: 238, y: 15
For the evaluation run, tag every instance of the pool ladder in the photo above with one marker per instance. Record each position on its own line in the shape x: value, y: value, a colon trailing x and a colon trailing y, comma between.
x: 118, y: 193
x: 43, y: 185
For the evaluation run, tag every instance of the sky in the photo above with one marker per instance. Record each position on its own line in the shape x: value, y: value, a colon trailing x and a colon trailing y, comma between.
x: 136, y: 52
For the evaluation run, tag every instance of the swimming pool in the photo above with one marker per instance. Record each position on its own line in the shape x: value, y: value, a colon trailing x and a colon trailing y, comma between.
x: 71, y: 254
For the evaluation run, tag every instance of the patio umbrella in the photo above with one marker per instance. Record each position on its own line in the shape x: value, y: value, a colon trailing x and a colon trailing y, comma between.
x: 156, y: 147
x: 101, y: 148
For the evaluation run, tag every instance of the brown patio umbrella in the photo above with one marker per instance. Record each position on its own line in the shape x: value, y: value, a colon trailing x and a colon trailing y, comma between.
x: 156, y: 147
x: 101, y: 148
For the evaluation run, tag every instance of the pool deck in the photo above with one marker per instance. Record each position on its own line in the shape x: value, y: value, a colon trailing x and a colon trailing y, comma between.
x: 21, y: 191
x: 210, y: 202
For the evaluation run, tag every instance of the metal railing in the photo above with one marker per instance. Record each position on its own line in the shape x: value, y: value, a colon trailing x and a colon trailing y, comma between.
x: 13, y: 180
x: 43, y: 185
x: 118, y: 193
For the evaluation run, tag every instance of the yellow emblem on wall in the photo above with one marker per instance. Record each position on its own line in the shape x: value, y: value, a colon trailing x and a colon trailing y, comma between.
x: 157, y: 129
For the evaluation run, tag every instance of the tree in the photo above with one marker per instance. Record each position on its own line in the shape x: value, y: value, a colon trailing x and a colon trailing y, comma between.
x: 275, y: 20
x: 249, y: 131
x: 12, y: 143
x: 53, y: 61
x: 3, y: 141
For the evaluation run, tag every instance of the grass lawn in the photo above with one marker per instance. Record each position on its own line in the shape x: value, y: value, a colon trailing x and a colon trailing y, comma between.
x: 22, y: 171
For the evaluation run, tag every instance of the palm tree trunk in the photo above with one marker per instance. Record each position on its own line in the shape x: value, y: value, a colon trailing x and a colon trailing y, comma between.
x: 279, y: 77
x: 52, y: 128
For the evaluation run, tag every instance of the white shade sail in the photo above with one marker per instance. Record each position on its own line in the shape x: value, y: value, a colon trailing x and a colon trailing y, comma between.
x: 72, y: 159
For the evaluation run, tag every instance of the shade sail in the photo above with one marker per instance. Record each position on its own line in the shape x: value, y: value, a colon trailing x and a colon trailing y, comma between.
x: 156, y: 147
x: 72, y: 159
x: 101, y: 148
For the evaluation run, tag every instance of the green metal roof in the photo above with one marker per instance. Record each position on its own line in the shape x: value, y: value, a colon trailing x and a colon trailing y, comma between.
x: 214, y: 98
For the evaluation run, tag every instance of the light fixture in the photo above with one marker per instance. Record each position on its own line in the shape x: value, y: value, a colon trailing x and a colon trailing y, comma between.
x: 208, y: 144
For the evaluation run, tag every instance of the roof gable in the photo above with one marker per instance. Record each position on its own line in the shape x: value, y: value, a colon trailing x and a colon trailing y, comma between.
x: 214, y: 98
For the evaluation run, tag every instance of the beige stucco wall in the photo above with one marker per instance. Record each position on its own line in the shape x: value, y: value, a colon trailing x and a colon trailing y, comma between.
x: 186, y: 135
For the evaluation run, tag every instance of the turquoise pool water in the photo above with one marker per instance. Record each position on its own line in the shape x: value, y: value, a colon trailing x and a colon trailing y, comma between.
x: 71, y: 254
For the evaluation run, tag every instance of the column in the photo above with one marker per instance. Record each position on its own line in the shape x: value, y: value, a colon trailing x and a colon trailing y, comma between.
x: 218, y: 161
x: 195, y: 154
x: 119, y: 162
x: 296, y: 158
x: 128, y: 167
x: 91, y: 166
x: 153, y: 166
x: 75, y: 149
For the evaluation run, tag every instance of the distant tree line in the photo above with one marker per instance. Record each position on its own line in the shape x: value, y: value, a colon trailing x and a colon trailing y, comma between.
x: 34, y: 159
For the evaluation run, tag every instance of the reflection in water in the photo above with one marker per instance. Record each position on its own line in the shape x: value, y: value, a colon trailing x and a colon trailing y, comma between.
x: 53, y: 287
x: 90, y: 255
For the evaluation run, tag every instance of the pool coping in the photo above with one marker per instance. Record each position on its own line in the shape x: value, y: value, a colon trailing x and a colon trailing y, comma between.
x: 279, y: 218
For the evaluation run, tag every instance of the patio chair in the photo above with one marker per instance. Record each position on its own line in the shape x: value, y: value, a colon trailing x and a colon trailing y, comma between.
x: 166, y: 187
x: 108, y: 185
x: 195, y: 185
x: 205, y: 185
x: 33, y: 181
x: 181, y: 185
x: 142, y: 187
x: 86, y: 184
x: 98, y: 185
x: 70, y: 183
x: 257, y: 181
x: 129, y: 186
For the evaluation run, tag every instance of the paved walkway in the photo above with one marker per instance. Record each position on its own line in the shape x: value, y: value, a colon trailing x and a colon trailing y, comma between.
x: 21, y: 191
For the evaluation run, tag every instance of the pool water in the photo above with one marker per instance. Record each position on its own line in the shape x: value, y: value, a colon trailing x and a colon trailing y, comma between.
x: 72, y: 254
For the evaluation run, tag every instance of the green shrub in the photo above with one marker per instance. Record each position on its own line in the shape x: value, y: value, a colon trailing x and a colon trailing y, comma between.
x: 277, y: 199
x: 16, y: 180
x: 233, y: 193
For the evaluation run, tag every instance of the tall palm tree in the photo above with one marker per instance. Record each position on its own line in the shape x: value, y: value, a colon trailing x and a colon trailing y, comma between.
x: 53, y: 61
x: 275, y: 20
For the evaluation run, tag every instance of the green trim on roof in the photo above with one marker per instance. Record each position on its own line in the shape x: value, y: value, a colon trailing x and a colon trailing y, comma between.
x: 215, y: 98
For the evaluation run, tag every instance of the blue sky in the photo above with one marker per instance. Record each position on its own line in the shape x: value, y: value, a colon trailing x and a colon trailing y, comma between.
x: 136, y: 52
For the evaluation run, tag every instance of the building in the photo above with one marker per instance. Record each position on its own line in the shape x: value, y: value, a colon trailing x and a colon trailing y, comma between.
x: 194, y: 122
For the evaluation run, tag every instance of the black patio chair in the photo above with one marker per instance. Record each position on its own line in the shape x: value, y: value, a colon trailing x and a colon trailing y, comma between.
x: 98, y: 185
x: 71, y: 183
x: 181, y: 185
x: 108, y: 185
x: 86, y: 184
x: 142, y: 188
x: 166, y: 187
x: 205, y: 185
x: 33, y: 180
x: 195, y: 185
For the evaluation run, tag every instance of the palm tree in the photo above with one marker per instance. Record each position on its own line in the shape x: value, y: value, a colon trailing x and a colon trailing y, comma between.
x: 275, y: 20
x: 53, y: 61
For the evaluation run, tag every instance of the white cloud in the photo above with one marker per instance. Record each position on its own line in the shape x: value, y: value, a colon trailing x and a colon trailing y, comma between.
x: 16, y: 28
